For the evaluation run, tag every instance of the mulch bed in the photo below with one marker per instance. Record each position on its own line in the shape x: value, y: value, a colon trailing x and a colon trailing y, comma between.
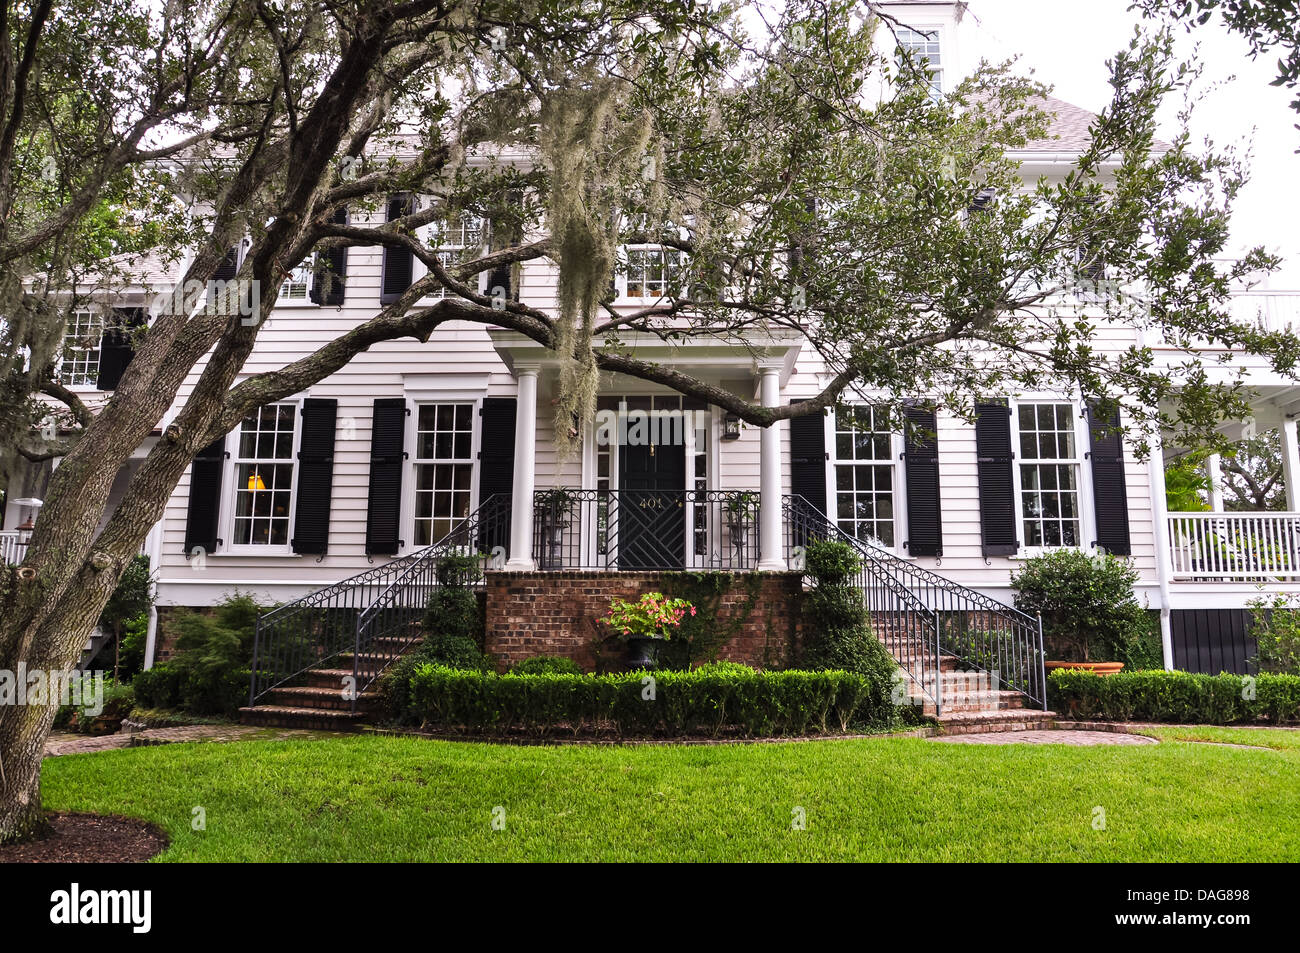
x: 88, y: 839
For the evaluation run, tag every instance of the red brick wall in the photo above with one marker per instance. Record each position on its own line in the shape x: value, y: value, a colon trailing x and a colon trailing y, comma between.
x: 555, y: 613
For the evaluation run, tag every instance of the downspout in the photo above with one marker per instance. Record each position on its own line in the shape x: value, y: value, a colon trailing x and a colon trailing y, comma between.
x: 154, y: 544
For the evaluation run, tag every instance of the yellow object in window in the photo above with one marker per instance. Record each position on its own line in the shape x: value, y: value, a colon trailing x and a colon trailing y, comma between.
x: 255, y: 481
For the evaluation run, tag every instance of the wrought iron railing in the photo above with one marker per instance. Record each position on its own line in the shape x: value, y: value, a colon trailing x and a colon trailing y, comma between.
x: 628, y: 530
x: 392, y: 621
x: 340, y: 620
x: 924, y: 617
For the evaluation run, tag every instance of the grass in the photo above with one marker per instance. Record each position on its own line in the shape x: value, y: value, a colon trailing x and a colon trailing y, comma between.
x: 1279, y: 739
x: 406, y: 799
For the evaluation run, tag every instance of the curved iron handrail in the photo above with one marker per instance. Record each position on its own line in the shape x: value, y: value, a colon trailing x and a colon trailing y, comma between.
x: 974, y: 628
x: 303, y: 634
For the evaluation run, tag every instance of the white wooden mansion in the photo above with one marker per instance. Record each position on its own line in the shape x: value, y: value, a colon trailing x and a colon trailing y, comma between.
x: 386, y: 456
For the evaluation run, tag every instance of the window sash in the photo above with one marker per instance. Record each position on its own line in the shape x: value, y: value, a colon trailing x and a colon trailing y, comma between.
x: 1050, y: 490
x: 444, y: 468
x: 866, y: 483
x: 80, y: 362
x: 263, y: 466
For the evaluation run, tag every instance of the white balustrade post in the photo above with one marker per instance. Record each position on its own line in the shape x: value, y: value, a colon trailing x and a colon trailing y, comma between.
x: 1291, y: 464
x: 769, y: 475
x: 1214, y: 471
x: 521, y: 503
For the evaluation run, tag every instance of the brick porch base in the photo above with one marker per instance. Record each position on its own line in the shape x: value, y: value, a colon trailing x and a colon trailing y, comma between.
x: 555, y: 613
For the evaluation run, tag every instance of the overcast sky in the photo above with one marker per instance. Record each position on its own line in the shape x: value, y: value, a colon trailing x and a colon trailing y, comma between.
x: 1066, y: 44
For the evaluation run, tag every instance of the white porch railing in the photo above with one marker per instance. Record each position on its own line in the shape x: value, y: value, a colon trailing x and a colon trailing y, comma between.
x: 1271, y: 310
x: 13, y: 546
x: 1235, y: 547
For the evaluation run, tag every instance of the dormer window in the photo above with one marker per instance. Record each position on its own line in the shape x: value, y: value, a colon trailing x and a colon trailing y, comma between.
x: 921, y: 48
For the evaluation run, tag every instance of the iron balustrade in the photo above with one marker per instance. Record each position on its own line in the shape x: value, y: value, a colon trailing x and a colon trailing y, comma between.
x: 630, y: 530
x: 925, y: 617
x: 392, y: 621
x: 341, y: 620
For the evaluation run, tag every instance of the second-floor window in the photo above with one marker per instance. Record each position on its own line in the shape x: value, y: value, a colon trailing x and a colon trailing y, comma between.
x: 81, y: 340
x: 653, y: 271
x: 864, y: 474
x: 297, y: 284
x: 456, y: 240
x: 444, y: 468
x: 263, y: 470
x: 1049, y: 474
x: 922, y: 48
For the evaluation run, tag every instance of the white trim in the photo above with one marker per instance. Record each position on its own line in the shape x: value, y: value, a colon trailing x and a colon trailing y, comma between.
x: 895, y: 463
x: 226, y: 520
x: 1082, y: 446
x: 406, y: 518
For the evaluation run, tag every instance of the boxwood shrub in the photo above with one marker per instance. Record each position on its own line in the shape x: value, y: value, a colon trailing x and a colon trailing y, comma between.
x: 712, y: 701
x: 1180, y: 697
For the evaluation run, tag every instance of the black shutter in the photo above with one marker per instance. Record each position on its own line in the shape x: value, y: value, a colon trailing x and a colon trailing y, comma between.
x: 116, y: 347
x: 387, y: 459
x: 1109, y: 491
x: 993, y: 464
x: 331, y: 269
x: 205, y: 498
x: 311, y: 522
x: 808, y: 458
x: 229, y: 266
x: 496, y: 466
x: 499, y: 277
x: 397, y: 261
x: 921, y: 465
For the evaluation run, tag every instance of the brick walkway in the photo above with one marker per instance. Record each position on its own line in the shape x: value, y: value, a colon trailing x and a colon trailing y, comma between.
x: 1048, y: 737
x: 63, y: 742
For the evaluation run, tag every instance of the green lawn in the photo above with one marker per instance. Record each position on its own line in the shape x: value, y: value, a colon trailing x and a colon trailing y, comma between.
x: 384, y: 798
x: 1280, y: 739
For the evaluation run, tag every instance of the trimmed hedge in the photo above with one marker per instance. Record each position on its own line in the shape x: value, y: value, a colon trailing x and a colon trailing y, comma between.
x: 708, y: 701
x: 1180, y: 697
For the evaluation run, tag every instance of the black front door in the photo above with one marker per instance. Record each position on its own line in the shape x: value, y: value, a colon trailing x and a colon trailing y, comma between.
x: 652, y: 500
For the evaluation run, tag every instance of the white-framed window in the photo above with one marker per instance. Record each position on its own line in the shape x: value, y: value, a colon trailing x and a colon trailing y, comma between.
x: 81, y: 340
x: 444, y: 468
x: 866, y: 475
x: 262, y: 475
x: 297, y: 284
x: 923, y: 49
x: 651, y: 272
x: 457, y: 239
x: 1051, y: 503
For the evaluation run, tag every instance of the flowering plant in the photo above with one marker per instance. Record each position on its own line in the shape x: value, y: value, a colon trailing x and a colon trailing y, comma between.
x: 654, y: 614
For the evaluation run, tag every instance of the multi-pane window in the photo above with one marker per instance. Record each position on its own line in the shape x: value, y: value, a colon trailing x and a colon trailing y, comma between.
x: 263, y: 464
x: 864, y: 473
x: 1049, y: 474
x: 297, y: 284
x: 444, y: 466
x: 455, y: 240
x: 651, y: 271
x: 922, y: 49
x: 81, y: 338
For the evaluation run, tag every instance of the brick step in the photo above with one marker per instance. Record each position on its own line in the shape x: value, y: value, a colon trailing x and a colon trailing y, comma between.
x: 327, y: 677
x: 966, y: 723
x: 369, y: 658
x: 307, y: 696
x: 974, y: 702
x: 285, y: 716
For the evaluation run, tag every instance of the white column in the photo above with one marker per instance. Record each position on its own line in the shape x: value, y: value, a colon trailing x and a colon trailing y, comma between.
x: 1214, y: 471
x: 521, y: 503
x: 769, y: 475
x: 1291, y: 463
x: 1164, y: 565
